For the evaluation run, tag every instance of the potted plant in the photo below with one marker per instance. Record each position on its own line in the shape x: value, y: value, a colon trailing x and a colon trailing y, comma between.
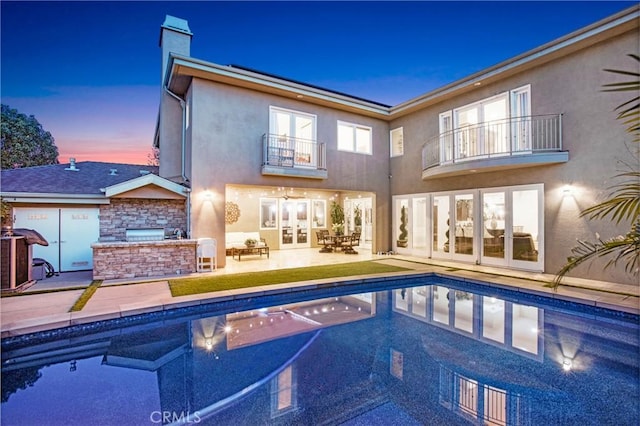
x: 250, y: 242
x: 402, y: 238
x: 357, y: 218
x: 337, y: 218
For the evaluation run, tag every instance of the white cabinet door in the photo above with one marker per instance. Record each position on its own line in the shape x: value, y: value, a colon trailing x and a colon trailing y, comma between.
x: 45, y: 221
x: 79, y: 228
x: 69, y: 232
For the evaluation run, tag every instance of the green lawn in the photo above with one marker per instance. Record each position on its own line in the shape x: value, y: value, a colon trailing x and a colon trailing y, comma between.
x: 186, y: 286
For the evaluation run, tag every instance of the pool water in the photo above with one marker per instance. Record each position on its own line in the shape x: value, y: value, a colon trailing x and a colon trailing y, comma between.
x: 441, y: 352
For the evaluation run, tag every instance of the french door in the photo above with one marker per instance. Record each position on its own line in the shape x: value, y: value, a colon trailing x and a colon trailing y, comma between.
x: 294, y: 224
x: 493, y: 226
x: 295, y: 132
x: 513, y: 227
x: 452, y: 226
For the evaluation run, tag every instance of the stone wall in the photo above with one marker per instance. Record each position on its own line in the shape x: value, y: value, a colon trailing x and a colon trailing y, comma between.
x: 143, y: 259
x: 130, y: 213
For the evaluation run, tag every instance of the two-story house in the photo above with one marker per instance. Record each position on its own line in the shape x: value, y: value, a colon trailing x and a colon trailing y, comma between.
x: 492, y: 169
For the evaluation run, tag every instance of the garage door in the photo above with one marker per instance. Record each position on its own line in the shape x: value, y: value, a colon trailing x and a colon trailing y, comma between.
x: 69, y: 231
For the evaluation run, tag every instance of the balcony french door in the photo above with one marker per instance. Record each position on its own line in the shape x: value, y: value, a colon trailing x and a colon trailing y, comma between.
x: 480, y: 128
x: 296, y: 132
x: 294, y: 224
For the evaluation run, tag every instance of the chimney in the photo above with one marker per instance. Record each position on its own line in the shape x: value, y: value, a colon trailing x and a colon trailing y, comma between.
x: 72, y: 165
x: 175, y: 37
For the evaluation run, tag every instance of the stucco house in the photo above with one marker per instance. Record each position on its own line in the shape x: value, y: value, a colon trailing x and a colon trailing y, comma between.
x: 492, y: 169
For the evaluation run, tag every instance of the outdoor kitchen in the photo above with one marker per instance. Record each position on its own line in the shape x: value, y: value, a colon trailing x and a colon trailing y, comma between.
x: 143, y: 238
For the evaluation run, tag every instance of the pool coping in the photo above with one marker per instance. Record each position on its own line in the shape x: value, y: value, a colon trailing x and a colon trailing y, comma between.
x: 623, y: 303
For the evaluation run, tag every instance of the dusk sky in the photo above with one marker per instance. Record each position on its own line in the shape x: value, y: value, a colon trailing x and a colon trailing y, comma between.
x: 90, y: 71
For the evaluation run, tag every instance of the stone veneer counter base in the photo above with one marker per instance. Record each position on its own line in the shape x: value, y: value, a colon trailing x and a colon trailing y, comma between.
x: 116, y: 260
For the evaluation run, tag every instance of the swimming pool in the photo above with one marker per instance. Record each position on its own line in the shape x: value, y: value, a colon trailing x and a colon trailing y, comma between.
x: 434, y: 351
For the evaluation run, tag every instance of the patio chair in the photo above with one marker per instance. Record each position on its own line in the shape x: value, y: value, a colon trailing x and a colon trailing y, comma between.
x: 206, y: 254
x: 349, y: 243
x: 325, y: 240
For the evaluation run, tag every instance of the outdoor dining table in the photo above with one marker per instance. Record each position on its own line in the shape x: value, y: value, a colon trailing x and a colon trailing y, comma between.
x: 333, y: 242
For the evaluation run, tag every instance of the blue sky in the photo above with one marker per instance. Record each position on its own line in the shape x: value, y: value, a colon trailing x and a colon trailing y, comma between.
x: 90, y: 71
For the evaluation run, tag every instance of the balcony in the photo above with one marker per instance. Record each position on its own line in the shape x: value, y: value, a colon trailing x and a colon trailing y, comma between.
x: 293, y: 157
x: 495, y: 145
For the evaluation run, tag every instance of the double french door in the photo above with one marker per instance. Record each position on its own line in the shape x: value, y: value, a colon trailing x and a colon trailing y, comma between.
x: 294, y: 223
x: 494, y: 226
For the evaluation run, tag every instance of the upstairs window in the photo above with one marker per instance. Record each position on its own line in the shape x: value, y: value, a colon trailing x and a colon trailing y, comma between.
x: 354, y: 138
x: 396, y: 138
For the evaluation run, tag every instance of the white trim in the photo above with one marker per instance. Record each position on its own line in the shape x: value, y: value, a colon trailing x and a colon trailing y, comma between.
x: 145, y: 180
x: 48, y: 198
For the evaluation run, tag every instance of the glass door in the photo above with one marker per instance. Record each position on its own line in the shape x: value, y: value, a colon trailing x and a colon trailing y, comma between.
x: 295, y: 136
x: 513, y: 220
x: 294, y: 224
x: 520, y: 119
x: 526, y: 227
x: 453, y: 226
x: 419, y: 225
x: 440, y: 226
x: 493, y: 227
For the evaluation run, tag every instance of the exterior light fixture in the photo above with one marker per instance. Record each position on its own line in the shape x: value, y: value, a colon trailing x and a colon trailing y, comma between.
x: 567, y: 191
x: 208, y: 344
x: 567, y: 364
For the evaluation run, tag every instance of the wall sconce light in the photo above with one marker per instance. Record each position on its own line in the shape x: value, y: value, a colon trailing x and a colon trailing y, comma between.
x: 567, y: 364
x: 208, y: 344
x: 567, y: 191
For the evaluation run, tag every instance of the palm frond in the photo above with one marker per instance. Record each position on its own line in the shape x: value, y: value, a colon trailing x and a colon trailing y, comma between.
x: 622, y: 249
x: 623, y: 202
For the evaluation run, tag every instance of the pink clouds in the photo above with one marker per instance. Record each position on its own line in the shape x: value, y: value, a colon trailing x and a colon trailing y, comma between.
x: 110, y: 124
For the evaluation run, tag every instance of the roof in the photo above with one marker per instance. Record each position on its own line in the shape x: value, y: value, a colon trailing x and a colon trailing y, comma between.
x: 89, y: 178
x: 253, y: 70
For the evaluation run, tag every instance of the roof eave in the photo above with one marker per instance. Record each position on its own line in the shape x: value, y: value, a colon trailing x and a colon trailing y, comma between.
x: 609, y: 27
x: 49, y: 198
x: 181, y: 66
x: 142, y: 181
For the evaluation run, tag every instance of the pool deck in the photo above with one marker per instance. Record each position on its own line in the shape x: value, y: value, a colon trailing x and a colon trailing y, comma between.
x: 35, y: 310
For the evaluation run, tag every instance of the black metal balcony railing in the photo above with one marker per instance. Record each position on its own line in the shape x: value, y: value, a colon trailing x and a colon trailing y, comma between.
x: 500, y: 138
x: 287, y: 151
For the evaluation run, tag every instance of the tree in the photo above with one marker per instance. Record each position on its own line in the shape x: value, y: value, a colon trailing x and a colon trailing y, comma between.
x: 24, y: 142
x: 153, y: 158
x: 337, y: 218
x: 623, y: 202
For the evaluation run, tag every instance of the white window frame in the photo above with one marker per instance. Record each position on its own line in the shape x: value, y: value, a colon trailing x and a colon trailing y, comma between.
x: 396, y: 142
x: 354, y: 145
x: 273, y: 110
x: 451, y: 117
x: 302, y: 149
